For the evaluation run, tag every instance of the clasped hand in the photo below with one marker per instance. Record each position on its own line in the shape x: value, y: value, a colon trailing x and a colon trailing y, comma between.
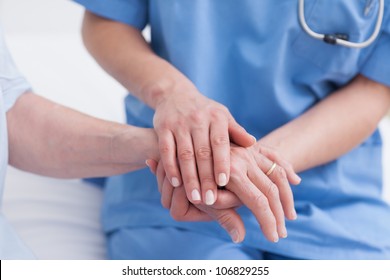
x: 268, y: 197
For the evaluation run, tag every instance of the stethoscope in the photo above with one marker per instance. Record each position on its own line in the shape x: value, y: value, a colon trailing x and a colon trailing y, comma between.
x: 342, y: 39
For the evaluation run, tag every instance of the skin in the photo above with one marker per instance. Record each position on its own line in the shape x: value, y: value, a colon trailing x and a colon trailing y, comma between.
x: 194, y: 132
x: 57, y: 141
x: 184, y: 116
x: 362, y: 101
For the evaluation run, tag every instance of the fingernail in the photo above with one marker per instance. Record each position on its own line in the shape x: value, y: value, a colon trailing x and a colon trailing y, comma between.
x: 294, y: 214
x: 254, y: 139
x: 195, y: 195
x: 210, y: 197
x: 235, y: 236
x: 299, y: 179
x: 222, y: 179
x: 275, y: 238
x: 284, y: 233
x: 175, y: 182
x: 147, y: 163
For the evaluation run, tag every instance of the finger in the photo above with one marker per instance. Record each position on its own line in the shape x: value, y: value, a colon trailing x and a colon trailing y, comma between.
x: 239, y: 135
x: 204, y: 162
x: 270, y: 190
x: 220, y: 144
x: 279, y: 177
x: 186, y: 158
x: 229, y: 220
x: 152, y: 164
x: 257, y: 202
x: 166, y: 194
x: 160, y: 174
x: 293, y: 177
x: 226, y: 199
x: 167, y: 148
x: 183, y: 210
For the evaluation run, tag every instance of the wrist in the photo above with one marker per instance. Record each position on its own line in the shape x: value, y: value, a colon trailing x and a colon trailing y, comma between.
x: 133, y: 146
x: 160, y: 91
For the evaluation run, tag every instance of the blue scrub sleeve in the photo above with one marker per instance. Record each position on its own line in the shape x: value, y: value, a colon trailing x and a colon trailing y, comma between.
x: 377, y: 66
x: 131, y: 12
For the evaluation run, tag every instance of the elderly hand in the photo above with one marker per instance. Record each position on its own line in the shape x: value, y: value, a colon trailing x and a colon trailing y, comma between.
x: 194, y: 135
x: 269, y: 198
x: 182, y: 210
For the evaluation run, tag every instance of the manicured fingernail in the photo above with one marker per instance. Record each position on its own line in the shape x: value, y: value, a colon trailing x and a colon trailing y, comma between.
x: 222, y: 180
x: 210, y: 197
x: 235, y: 236
x: 175, y: 182
x: 275, y: 238
x: 195, y: 195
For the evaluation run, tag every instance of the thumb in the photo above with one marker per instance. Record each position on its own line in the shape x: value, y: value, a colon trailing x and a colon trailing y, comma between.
x: 229, y: 220
x: 239, y: 136
x: 152, y: 164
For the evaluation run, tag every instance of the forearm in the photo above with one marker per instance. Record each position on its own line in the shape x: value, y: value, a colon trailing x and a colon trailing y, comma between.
x: 333, y: 127
x: 123, y: 52
x: 53, y: 140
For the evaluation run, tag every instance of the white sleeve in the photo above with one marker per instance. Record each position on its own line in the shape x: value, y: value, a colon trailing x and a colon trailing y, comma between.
x: 12, y: 83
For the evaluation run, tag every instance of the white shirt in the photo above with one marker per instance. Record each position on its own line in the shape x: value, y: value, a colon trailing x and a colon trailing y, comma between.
x: 12, y: 85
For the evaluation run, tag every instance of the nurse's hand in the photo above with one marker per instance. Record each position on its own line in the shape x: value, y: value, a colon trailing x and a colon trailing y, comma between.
x: 182, y: 210
x: 194, y: 135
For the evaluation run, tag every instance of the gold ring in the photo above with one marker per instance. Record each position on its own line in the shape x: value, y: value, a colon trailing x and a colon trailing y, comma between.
x: 271, y: 169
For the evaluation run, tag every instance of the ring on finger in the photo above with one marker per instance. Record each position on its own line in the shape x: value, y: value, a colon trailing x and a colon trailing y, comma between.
x: 269, y: 172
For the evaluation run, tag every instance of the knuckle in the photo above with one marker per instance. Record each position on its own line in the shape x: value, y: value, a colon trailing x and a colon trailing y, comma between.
x: 220, y: 140
x: 225, y: 220
x: 190, y: 182
x: 164, y: 125
x: 208, y: 181
x: 272, y: 191
x: 177, y: 215
x: 261, y: 204
x: 196, y: 117
x: 280, y: 172
x: 218, y: 112
x: 186, y: 154
x: 164, y: 149
x: 204, y: 153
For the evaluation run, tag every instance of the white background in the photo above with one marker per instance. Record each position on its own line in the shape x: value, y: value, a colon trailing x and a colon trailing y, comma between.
x: 44, y: 38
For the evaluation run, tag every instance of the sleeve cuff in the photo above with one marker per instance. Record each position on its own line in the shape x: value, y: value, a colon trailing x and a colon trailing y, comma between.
x: 132, y: 12
x: 377, y: 66
x: 16, y: 88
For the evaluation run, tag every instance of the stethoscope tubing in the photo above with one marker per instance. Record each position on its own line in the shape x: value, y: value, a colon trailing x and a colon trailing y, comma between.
x: 339, y: 41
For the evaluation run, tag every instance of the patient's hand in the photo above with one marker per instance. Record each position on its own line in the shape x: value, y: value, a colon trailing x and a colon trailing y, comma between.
x: 269, y: 198
x: 182, y: 209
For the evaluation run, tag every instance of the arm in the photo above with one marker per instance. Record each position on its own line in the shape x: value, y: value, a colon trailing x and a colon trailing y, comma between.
x: 333, y: 127
x: 190, y: 127
x: 53, y: 140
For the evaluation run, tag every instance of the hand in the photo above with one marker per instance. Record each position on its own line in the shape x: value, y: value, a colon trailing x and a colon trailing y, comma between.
x: 248, y: 181
x: 182, y: 210
x: 268, y: 197
x: 195, y: 133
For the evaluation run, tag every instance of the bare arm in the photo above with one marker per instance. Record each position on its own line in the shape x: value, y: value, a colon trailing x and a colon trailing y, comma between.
x: 333, y: 127
x: 190, y: 127
x: 52, y: 140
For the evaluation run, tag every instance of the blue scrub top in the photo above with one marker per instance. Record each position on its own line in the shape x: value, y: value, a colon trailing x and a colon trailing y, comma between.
x: 12, y: 85
x: 254, y: 57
